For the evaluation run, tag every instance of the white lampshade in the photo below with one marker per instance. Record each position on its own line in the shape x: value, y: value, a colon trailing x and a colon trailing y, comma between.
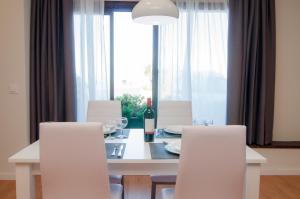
x: 155, y: 12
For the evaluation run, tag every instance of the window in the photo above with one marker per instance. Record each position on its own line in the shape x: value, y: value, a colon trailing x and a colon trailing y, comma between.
x: 132, y: 56
x: 186, y: 61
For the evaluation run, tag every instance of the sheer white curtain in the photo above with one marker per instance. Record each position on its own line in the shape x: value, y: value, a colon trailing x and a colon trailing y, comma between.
x: 193, y: 58
x: 92, y: 70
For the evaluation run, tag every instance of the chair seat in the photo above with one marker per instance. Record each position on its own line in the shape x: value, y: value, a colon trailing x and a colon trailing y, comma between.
x: 116, y: 191
x: 116, y: 179
x: 167, y: 193
x: 163, y: 179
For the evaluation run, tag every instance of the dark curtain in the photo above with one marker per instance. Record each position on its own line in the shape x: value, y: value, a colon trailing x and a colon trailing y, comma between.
x: 251, y: 68
x: 52, y: 71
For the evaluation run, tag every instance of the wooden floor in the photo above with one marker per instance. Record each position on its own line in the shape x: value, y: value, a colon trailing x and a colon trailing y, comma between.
x: 138, y: 187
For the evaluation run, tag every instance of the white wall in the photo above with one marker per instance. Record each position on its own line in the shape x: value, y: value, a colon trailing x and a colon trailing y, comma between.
x: 287, y: 88
x: 14, y: 68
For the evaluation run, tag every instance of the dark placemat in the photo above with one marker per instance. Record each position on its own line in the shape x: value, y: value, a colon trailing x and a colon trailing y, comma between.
x: 158, y: 151
x: 110, y: 148
x: 118, y: 132
x: 160, y: 133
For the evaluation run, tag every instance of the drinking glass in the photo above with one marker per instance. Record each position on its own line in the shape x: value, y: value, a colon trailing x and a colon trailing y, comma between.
x: 121, y: 124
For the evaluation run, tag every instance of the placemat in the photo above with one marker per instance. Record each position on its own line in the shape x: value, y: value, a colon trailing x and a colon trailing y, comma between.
x: 160, y: 133
x: 158, y: 151
x: 118, y: 132
x: 110, y: 148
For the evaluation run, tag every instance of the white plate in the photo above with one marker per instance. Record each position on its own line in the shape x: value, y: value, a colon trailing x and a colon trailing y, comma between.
x: 171, y: 149
x: 174, y: 129
x: 174, y: 147
x: 108, y: 131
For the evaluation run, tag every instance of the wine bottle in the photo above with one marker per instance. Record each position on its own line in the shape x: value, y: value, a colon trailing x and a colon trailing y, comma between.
x: 149, y: 122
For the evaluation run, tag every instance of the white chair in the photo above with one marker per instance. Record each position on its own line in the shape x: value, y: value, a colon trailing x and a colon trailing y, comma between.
x: 174, y: 113
x: 212, y: 164
x: 103, y: 111
x: 73, y: 162
x: 170, y: 113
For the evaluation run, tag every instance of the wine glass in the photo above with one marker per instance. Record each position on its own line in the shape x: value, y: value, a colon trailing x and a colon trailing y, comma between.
x: 121, y: 124
x: 109, y: 126
x: 207, y: 122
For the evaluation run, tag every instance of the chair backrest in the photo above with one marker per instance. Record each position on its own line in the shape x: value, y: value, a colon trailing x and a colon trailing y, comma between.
x: 174, y: 113
x: 73, y: 161
x: 212, y: 163
x: 103, y: 111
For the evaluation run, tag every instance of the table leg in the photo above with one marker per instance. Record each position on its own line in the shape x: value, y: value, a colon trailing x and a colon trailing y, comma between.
x: 252, y: 181
x: 25, y: 182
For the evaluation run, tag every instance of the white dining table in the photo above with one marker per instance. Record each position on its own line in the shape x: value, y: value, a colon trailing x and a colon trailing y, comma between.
x: 136, y: 161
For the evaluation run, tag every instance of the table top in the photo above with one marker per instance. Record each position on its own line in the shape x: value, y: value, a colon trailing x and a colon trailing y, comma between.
x: 136, y: 151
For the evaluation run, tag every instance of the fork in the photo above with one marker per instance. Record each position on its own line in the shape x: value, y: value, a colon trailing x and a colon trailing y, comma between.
x: 115, y: 150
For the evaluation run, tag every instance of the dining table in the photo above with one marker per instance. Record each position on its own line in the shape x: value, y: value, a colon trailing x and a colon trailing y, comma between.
x: 136, y: 160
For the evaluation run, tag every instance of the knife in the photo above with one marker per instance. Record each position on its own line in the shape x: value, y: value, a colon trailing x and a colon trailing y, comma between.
x: 120, y: 151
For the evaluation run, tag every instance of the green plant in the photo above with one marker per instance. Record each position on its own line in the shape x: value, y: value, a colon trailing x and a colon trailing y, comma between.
x: 133, y: 106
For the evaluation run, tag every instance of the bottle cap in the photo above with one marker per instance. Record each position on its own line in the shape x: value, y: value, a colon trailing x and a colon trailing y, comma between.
x: 149, y: 102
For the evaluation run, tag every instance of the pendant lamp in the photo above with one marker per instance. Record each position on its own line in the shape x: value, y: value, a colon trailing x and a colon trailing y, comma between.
x: 155, y: 12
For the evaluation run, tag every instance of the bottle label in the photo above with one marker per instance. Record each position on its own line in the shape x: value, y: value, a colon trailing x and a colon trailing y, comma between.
x: 149, y: 126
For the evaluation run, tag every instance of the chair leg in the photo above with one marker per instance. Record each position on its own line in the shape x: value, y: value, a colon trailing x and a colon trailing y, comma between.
x: 153, y: 190
x: 122, y: 183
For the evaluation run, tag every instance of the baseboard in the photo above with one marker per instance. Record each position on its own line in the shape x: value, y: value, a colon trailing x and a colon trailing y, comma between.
x: 280, y: 145
x: 277, y: 172
x: 7, y: 176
